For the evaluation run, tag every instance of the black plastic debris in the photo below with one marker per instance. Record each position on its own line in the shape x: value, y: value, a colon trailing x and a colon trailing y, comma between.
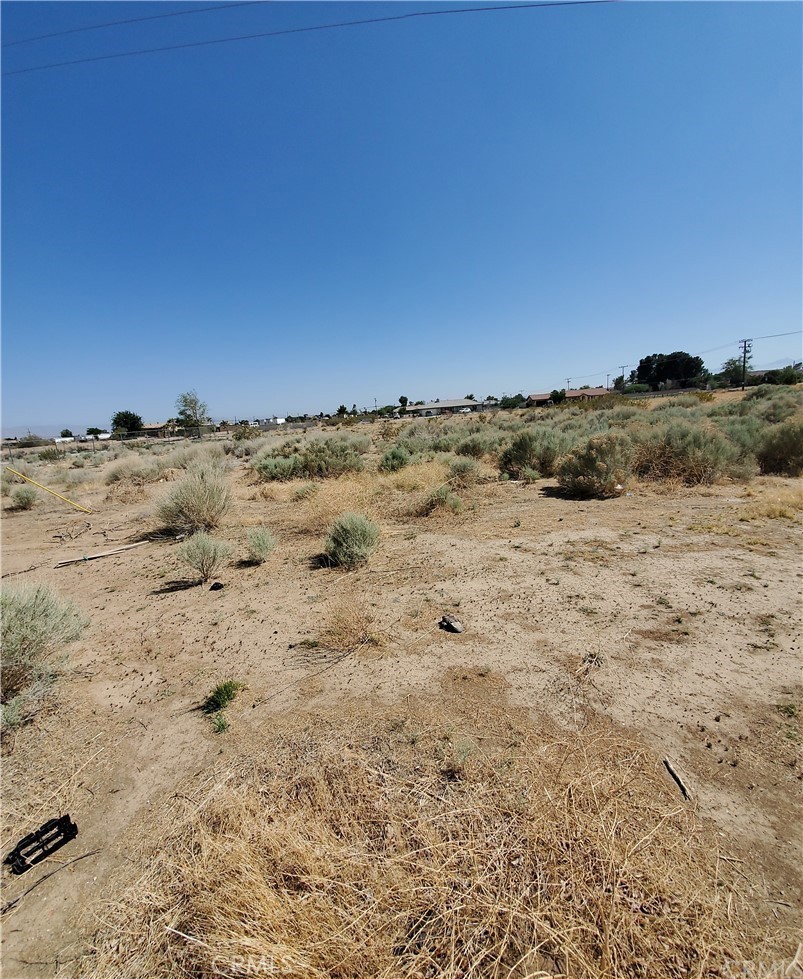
x: 450, y: 624
x: 34, y: 847
x: 216, y: 586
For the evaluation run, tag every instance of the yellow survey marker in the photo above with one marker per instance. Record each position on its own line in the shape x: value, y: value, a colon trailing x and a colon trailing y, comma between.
x: 52, y: 492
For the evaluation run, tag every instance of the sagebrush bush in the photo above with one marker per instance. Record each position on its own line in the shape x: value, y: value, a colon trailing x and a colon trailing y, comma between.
x: 320, y: 459
x: 597, y: 467
x: 36, y: 625
x: 519, y: 455
x: 351, y: 540
x: 204, y: 554
x: 464, y: 472
x: 781, y: 448
x: 394, y: 459
x: 692, y: 454
x: 24, y: 497
x: 475, y: 446
x: 260, y: 544
x: 539, y: 449
x: 197, y: 502
x: 441, y: 498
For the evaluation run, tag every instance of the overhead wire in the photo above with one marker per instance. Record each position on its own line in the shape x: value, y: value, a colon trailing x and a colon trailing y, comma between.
x: 306, y: 30
x: 135, y: 20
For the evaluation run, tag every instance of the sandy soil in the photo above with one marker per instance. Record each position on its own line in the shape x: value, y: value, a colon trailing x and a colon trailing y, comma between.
x: 674, y: 615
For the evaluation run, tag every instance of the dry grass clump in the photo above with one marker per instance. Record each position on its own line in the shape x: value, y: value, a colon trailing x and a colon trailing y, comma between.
x: 413, y: 852
x: 780, y: 505
x: 351, y: 627
x: 204, y: 554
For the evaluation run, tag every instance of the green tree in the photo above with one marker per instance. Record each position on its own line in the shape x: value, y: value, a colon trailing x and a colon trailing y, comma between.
x: 468, y: 397
x: 557, y: 396
x: 66, y: 433
x: 403, y: 401
x: 96, y: 431
x: 126, y: 421
x: 732, y: 370
x: 192, y: 412
x: 512, y: 401
x: 342, y: 410
x: 680, y: 367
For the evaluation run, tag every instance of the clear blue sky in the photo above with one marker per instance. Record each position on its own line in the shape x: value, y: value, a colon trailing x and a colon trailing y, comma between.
x: 484, y: 203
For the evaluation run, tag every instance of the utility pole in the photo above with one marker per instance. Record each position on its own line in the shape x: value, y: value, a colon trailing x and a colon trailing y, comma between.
x: 607, y: 382
x: 747, y: 346
x: 624, y: 382
x: 568, y: 379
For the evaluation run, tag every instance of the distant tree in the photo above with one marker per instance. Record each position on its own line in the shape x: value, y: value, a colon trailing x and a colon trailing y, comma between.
x: 512, y: 401
x: 619, y: 383
x: 192, y: 412
x: 342, y: 410
x: 557, y: 396
x: 66, y: 433
x: 660, y: 369
x: 732, y: 370
x: 791, y: 374
x: 468, y: 397
x: 490, y: 397
x: 126, y: 421
x: 403, y: 401
x: 354, y: 409
x: 96, y: 431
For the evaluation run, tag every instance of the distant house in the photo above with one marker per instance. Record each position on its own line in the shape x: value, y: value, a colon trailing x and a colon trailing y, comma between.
x: 538, y: 400
x: 157, y: 430
x: 460, y: 406
x: 586, y: 394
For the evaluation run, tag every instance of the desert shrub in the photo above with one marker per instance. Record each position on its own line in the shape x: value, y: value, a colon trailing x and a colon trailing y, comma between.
x: 24, y: 497
x: 204, y: 554
x: 260, y: 544
x: 441, y: 498
x: 781, y: 448
x: 197, y: 502
x: 394, y: 459
x: 327, y: 459
x: 351, y: 540
x: 36, y: 625
x: 519, y: 455
x: 537, y: 449
x: 320, y: 459
x: 273, y: 468
x: 529, y: 475
x: 51, y: 454
x: 464, y: 472
x: 223, y: 694
x: 773, y: 404
x: 475, y: 446
x: 691, y: 454
x: 597, y: 467
x: 746, y: 432
x: 134, y: 470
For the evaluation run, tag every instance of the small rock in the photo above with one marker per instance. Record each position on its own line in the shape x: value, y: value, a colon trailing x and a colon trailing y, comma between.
x: 216, y: 586
x: 451, y: 624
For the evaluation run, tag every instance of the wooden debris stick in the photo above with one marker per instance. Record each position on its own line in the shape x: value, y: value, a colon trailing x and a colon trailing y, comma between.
x: 94, y: 557
x: 677, y: 779
x: 52, y: 492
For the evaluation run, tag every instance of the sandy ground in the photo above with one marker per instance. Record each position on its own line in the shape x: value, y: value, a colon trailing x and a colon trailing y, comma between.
x: 674, y: 615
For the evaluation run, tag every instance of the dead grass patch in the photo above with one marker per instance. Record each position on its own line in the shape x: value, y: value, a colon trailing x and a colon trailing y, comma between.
x: 783, y: 504
x: 351, y: 627
x: 418, y: 848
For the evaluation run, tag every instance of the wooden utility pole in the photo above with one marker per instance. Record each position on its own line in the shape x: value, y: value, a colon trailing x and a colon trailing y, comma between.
x: 747, y: 346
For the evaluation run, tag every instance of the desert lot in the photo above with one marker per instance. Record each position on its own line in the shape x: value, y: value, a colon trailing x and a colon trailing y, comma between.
x: 661, y: 623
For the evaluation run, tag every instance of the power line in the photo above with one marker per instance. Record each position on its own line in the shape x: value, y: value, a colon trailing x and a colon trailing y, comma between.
x: 305, y: 30
x: 135, y: 20
x: 771, y: 336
